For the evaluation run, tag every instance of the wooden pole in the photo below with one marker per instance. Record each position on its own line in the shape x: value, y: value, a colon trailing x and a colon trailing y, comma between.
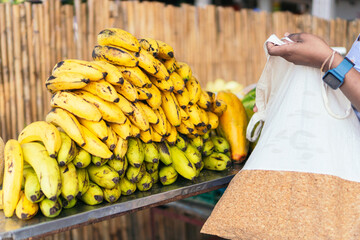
x: 47, y: 55
x: 91, y: 22
x: 78, y: 29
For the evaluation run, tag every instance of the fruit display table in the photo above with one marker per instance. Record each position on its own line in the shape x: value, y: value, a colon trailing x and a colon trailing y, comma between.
x: 81, y: 214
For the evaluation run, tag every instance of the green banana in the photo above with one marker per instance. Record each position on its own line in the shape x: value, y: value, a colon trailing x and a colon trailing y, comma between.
x: 197, y: 142
x: 120, y: 148
x: 134, y: 174
x: 93, y: 196
x: 113, y: 194
x: 193, y: 155
x: 217, y: 162
x: 198, y: 170
x: 135, y: 153
x: 206, y: 136
x: 145, y: 182
x: 151, y: 167
x: 82, y: 159
x: 83, y: 180
x: 32, y: 188
x: 119, y: 166
x: 69, y: 180
x: 221, y: 145
x: 50, y: 208
x: 68, y: 204
x: 152, y: 154
x: 208, y: 148
x: 181, y: 164
x: 104, y: 176
x: 181, y: 142
x: 155, y: 177
x: 167, y: 175
x: 98, y: 161
x: 67, y: 151
x: 164, y: 151
x: 127, y: 187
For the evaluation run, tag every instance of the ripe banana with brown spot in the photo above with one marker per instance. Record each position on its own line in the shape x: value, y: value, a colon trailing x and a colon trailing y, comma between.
x: 139, y: 118
x: 114, y: 76
x: 86, y: 68
x: 204, y: 117
x: 205, y: 100
x: 146, y: 136
x: 143, y: 93
x: 69, y: 181
x: 125, y: 105
x: 118, y: 37
x: 136, y: 76
x: 134, y: 131
x: 165, y: 50
x: 150, y: 45
x: 184, y: 115
x: 213, y: 120
x: 171, y: 108
x: 178, y: 82
x: 171, y: 138
x: 94, y: 146
x: 114, y: 55
x: 44, y: 132
x: 108, y: 110
x: 67, y: 151
x: 194, y: 89
x: 183, y: 98
x: 120, y: 148
x: 82, y: 159
x: 102, y: 89
x: 152, y: 66
x: 183, y: 70
x: 76, y: 105
x: 67, y: 122
x: 97, y: 128
x: 66, y: 81
x: 155, y: 100
x: 150, y: 113
x: 161, y: 126
x: 170, y: 64
x: 194, y: 113
x: 123, y: 130
x: 32, y: 187
x: 156, y: 137
x: 111, y: 141
x: 162, y: 84
x: 104, y: 176
x: 128, y: 91
x: 219, y: 107
x: 26, y: 209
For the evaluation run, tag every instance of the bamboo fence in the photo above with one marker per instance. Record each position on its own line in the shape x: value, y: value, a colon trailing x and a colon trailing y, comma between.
x: 217, y: 42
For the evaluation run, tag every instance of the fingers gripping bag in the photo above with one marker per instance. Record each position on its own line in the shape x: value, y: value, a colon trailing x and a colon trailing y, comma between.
x: 302, y: 181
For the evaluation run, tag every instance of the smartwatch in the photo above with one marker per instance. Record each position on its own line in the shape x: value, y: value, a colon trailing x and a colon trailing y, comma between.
x: 335, y: 77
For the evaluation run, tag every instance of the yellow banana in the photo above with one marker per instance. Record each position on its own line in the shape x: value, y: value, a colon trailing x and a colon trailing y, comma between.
x: 97, y: 128
x: 212, y: 97
x: 69, y: 180
x: 213, y: 120
x: 164, y: 85
x: 155, y: 100
x: 187, y: 128
x: 181, y: 164
x: 204, y: 117
x: 67, y: 151
x: 128, y: 91
x: 26, y: 209
x: 114, y: 55
x: 150, y: 45
x: 113, y: 194
x: 50, y: 208
x: 218, y: 107
x: 66, y: 81
x: 82, y: 159
x: 184, y: 71
x: 13, y: 176
x: 168, y: 128
x: 194, y: 112
x: 114, y: 76
x: 152, y: 66
x: 76, y: 105
x: 134, y: 131
x: 104, y: 176
x: 161, y: 126
x: 184, y: 115
x: 170, y: 65
x: 202, y: 130
x: 83, y: 181
x: 120, y: 148
x: 136, y: 76
x: 67, y: 122
x: 194, y: 89
x: 204, y: 100
x: 150, y: 113
x: 120, y: 166
x: 118, y: 37
x: 156, y: 137
x: 32, y: 188
x: 46, y: 168
x: 102, y: 89
x: 143, y: 93
x: 94, y: 195
x: 123, y: 130
x: 146, y: 136
x: 178, y: 82
x: 94, y: 146
x: 108, y: 110
x: 139, y: 118
x: 111, y: 141
x: 183, y: 98
x: 1, y: 199
x: 125, y: 106
x: 44, y: 132
x: 165, y: 50
x: 171, y: 108
x: 86, y: 68
x: 172, y: 136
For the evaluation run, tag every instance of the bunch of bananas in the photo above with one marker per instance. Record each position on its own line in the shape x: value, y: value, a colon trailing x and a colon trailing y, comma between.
x: 130, y: 118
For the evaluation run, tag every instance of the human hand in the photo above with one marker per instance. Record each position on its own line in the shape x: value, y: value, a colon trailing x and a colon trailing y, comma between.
x: 307, y: 49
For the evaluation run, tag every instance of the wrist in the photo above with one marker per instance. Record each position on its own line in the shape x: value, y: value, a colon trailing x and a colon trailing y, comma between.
x: 336, y: 61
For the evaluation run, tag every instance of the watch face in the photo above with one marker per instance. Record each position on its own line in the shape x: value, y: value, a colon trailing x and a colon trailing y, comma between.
x: 332, y: 81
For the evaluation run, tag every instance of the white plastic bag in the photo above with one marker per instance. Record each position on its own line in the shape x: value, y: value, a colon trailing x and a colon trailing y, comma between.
x: 308, y: 127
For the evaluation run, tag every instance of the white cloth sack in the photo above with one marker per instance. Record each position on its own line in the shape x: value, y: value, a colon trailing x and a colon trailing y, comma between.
x: 307, y: 126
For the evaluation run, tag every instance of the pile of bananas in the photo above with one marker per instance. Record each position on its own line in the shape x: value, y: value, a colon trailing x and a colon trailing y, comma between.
x: 130, y: 118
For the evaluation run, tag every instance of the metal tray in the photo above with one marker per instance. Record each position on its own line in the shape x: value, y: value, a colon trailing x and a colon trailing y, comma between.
x: 81, y: 214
